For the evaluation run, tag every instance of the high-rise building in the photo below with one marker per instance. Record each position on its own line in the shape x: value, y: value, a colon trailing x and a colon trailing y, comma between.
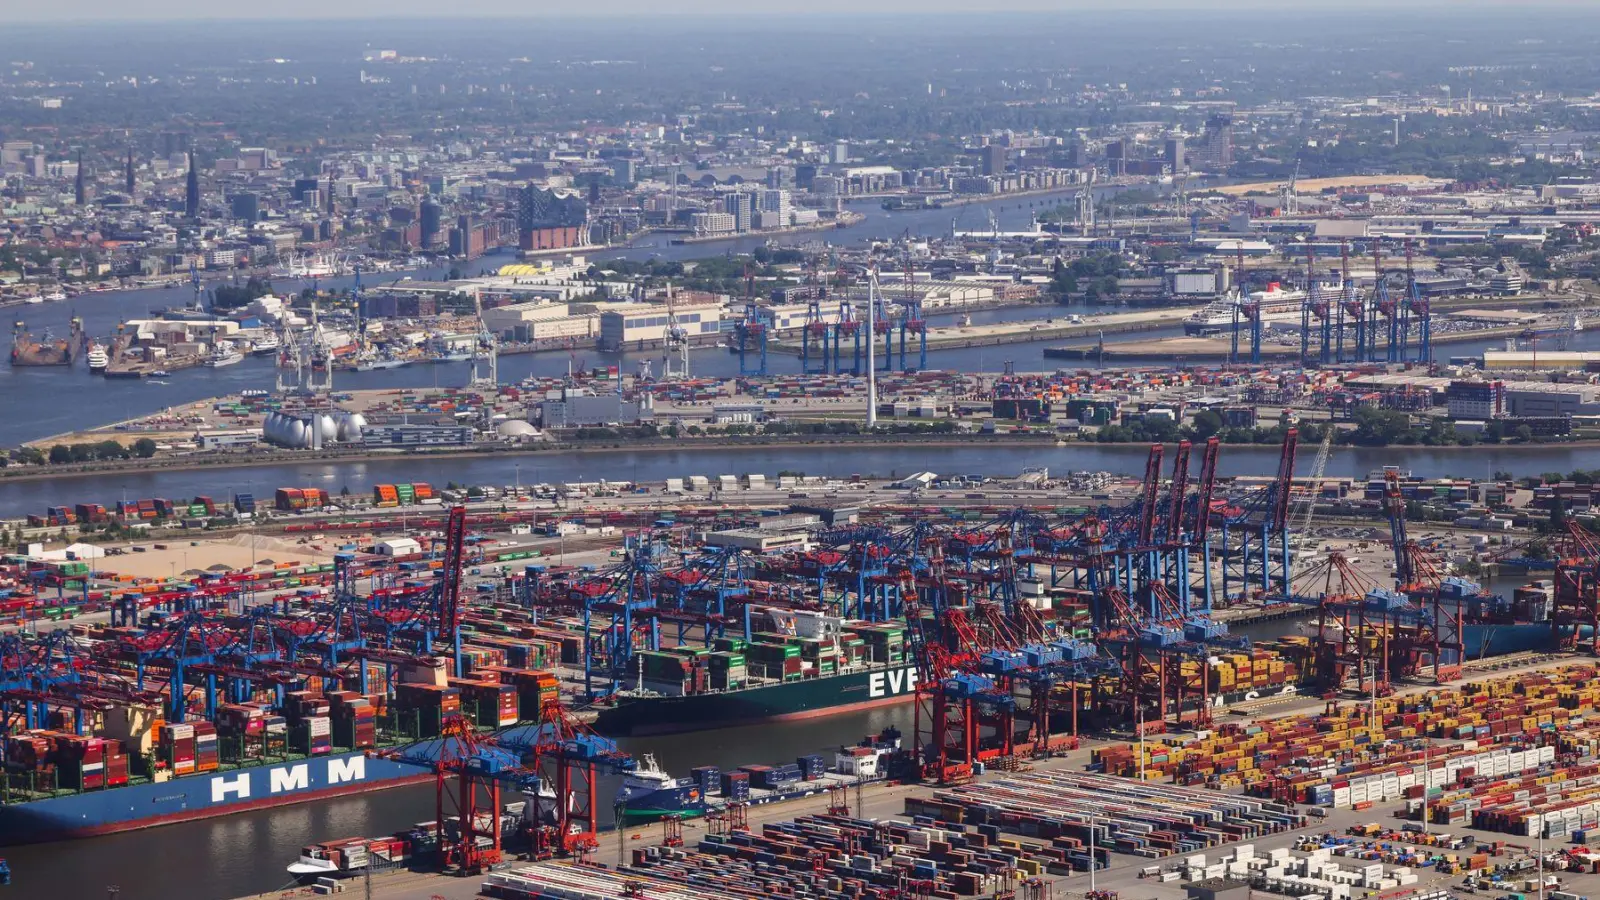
x: 1173, y: 154
x: 245, y: 205
x: 994, y: 159
x: 625, y: 170
x: 174, y: 142
x: 841, y: 153
x: 1215, y: 148
x: 128, y: 175
x: 191, y: 194
x: 80, y: 194
x: 740, y: 205
x: 1117, y: 158
x: 548, y: 221
x: 432, y: 220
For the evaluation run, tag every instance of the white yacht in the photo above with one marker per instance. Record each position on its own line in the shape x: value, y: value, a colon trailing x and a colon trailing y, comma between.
x: 97, y: 358
x: 225, y: 354
x: 266, y: 345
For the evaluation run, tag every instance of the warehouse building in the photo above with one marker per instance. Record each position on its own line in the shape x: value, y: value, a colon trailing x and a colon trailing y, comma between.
x: 227, y: 440
x: 537, y: 321
x: 646, y: 324
x: 579, y: 409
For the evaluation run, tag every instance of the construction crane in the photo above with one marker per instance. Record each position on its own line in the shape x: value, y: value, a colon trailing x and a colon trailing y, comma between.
x: 485, y: 350
x: 675, y: 343
x: 1307, y: 507
x: 750, y: 331
x: 449, y: 603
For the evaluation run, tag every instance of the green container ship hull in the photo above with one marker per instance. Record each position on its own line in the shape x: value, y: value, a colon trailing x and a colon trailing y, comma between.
x: 640, y: 715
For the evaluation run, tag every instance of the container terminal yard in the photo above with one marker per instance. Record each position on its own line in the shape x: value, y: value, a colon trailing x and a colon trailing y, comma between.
x: 1016, y: 630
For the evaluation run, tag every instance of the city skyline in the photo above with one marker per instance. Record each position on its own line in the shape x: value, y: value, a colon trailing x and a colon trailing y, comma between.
x: 82, y: 11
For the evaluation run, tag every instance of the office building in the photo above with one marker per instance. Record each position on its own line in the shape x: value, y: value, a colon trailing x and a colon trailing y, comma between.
x: 1172, y: 154
x: 994, y: 159
x: 432, y: 221
x: 80, y: 193
x: 191, y: 194
x: 246, y: 206
x: 1475, y: 400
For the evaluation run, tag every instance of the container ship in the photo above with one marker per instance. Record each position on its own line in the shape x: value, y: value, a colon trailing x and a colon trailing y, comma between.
x: 810, y: 664
x: 47, y: 350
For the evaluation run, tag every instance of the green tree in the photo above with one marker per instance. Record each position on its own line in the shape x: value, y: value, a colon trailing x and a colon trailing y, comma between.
x: 1523, y: 433
x: 60, y: 454
x: 1206, y: 424
x: 144, y: 448
x: 32, y: 456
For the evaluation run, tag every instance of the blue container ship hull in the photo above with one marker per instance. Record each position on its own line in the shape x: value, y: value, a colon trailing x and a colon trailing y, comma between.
x: 1483, y: 640
x: 191, y: 797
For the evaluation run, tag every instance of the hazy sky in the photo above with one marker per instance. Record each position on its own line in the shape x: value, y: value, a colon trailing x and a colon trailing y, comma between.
x: 148, y: 10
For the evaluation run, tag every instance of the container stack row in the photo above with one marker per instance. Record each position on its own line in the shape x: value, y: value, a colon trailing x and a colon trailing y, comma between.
x: 1137, y: 818
x: 822, y: 857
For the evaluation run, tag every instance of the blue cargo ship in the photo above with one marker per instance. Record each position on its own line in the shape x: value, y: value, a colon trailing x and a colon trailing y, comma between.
x: 222, y: 793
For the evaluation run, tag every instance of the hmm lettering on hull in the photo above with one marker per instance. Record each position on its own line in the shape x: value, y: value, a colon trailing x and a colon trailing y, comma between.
x: 284, y: 779
x: 892, y: 683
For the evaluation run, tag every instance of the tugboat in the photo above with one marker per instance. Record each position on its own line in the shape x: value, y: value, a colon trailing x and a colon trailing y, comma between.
x: 98, y: 358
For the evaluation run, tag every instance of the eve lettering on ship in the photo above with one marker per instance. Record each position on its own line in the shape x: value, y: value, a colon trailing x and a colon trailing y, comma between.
x: 288, y: 778
x: 889, y: 684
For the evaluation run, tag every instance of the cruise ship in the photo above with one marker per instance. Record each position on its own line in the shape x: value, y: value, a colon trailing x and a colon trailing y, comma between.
x: 99, y: 360
x: 321, y: 265
x: 1278, y: 304
x: 266, y: 345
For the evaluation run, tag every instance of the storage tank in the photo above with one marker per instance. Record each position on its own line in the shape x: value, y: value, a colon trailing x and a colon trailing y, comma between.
x: 297, y: 436
x: 328, y: 430
x: 350, y: 427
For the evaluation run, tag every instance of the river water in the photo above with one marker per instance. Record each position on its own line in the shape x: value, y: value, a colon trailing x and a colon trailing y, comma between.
x: 22, y: 497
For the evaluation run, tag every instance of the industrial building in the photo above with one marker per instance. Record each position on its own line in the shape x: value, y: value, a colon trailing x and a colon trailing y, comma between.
x: 576, y: 408
x: 646, y: 324
x: 227, y: 440
x: 537, y: 321
x: 416, y: 435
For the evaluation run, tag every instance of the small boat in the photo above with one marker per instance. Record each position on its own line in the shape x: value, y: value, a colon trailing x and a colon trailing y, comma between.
x: 56, y: 296
x: 160, y: 373
x: 98, y: 358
